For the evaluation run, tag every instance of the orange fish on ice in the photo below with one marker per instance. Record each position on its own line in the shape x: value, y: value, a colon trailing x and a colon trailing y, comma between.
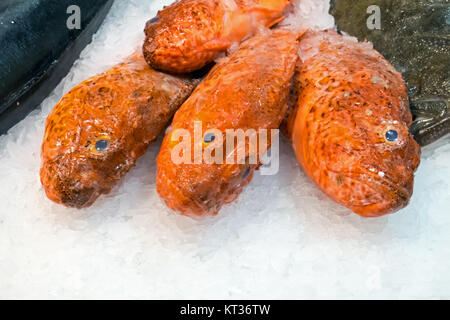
x: 98, y: 130
x: 189, y: 34
x: 248, y: 90
x: 350, y: 128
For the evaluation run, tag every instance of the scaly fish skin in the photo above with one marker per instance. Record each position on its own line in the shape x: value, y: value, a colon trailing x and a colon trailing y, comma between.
x: 351, y: 129
x: 247, y: 90
x: 189, y: 34
x: 98, y: 130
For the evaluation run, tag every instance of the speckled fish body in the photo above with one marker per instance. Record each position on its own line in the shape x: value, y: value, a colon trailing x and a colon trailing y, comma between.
x: 189, y: 34
x: 350, y: 131
x: 98, y: 130
x: 414, y: 35
x: 247, y: 90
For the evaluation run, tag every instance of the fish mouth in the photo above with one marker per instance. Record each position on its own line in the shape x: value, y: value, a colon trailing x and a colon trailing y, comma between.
x: 62, y: 185
x: 79, y: 198
x: 387, y: 196
x: 75, y: 194
x: 181, y: 200
x: 69, y: 196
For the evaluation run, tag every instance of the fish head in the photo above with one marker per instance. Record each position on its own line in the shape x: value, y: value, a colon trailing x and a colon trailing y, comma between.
x: 82, y: 156
x: 195, y: 177
x: 369, y: 158
x: 185, y: 36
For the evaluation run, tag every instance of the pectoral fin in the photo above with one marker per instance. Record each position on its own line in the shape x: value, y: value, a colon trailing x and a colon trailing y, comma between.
x: 430, y: 108
x: 427, y: 131
x: 217, y: 45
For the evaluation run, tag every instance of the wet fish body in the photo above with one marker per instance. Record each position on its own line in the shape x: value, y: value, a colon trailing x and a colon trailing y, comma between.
x: 190, y: 34
x: 38, y: 50
x: 414, y: 36
x: 98, y: 130
x: 350, y: 129
x: 247, y: 90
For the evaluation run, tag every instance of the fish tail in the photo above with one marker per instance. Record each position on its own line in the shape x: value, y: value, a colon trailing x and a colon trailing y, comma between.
x: 250, y: 17
x: 270, y: 12
x: 274, y: 5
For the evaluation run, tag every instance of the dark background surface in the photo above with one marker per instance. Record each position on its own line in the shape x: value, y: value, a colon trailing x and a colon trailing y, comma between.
x: 38, y: 50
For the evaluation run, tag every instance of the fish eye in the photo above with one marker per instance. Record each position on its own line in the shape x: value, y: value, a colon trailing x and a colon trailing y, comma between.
x: 209, y: 137
x: 391, y: 135
x: 154, y: 20
x: 247, y: 172
x: 101, y: 145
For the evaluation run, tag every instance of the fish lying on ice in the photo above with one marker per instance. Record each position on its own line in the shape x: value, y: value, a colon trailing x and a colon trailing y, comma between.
x: 189, y: 34
x: 414, y: 35
x: 247, y: 90
x: 350, y: 130
x: 98, y: 130
x: 38, y: 50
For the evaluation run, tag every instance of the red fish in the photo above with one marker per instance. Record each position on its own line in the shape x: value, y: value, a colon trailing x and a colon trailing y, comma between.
x: 189, y: 34
x: 247, y: 90
x: 350, y: 130
x: 98, y: 130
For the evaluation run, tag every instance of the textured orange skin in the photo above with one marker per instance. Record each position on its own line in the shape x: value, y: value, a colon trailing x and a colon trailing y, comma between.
x: 247, y: 90
x: 349, y: 96
x: 128, y: 106
x: 189, y: 34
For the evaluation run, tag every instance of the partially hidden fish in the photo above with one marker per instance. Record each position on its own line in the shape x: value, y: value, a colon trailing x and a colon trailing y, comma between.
x: 350, y: 128
x: 38, y: 48
x: 413, y: 35
x: 98, y: 130
x: 248, y: 90
x: 190, y: 34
